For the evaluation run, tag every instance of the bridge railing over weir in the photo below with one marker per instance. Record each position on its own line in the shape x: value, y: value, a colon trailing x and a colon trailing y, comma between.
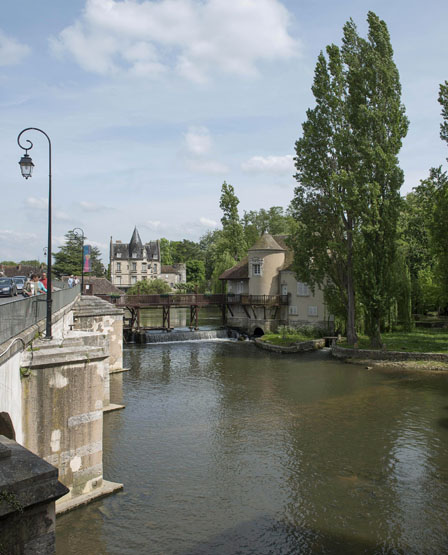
x: 258, y: 300
x: 18, y: 315
x: 171, y: 300
x: 176, y: 300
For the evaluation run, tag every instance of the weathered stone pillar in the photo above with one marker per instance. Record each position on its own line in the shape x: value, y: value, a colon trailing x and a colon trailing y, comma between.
x: 63, y: 391
x: 94, y: 314
x: 29, y: 488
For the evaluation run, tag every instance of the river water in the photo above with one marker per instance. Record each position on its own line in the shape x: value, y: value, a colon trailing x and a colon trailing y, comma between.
x: 227, y: 449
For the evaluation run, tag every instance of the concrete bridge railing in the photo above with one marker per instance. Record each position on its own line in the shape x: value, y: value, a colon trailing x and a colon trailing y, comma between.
x: 19, y: 315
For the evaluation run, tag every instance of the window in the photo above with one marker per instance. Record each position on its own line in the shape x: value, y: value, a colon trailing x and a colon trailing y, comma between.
x: 118, y: 255
x: 312, y: 311
x: 118, y: 266
x: 155, y: 267
x: 133, y: 279
x: 118, y: 280
x: 292, y: 310
x: 143, y: 268
x: 134, y: 266
x: 302, y: 289
x: 256, y: 269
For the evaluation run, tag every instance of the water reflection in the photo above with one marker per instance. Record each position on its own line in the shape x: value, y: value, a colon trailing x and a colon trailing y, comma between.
x: 227, y: 449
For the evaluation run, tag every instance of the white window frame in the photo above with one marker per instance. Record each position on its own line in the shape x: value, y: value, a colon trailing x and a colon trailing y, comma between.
x: 118, y: 266
x: 292, y: 310
x: 256, y: 269
x: 118, y: 255
x: 302, y: 289
x: 134, y: 266
x: 312, y: 310
x: 133, y: 279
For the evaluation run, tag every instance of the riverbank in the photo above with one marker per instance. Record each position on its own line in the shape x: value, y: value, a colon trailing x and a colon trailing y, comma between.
x: 299, y: 347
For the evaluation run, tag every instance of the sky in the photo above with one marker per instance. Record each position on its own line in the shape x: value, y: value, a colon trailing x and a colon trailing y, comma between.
x: 151, y: 105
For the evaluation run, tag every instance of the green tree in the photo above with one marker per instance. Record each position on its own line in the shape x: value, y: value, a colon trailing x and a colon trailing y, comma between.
x: 223, y: 262
x: 347, y: 202
x: 68, y: 260
x: 165, y: 252
x: 274, y: 221
x: 209, y: 246
x: 149, y: 287
x: 443, y: 100
x: 232, y: 239
x: 185, y: 250
x: 195, y: 271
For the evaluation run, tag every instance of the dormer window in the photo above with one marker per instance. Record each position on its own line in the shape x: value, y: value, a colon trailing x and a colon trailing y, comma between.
x: 134, y: 255
x: 118, y: 255
x: 256, y: 269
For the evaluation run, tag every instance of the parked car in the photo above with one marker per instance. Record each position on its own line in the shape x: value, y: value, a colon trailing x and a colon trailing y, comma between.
x: 20, y: 283
x: 7, y: 287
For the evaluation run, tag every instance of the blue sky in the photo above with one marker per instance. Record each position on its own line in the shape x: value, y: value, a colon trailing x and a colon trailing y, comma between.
x: 150, y: 106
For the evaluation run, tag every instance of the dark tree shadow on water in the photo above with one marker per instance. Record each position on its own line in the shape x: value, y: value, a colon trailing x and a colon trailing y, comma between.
x: 265, y: 536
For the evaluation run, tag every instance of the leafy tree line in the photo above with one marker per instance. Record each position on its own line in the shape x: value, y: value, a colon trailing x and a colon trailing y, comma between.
x: 376, y: 256
x: 424, y: 237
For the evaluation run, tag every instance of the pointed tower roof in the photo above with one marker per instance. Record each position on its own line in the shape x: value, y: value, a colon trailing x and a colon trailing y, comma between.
x: 266, y: 243
x: 135, y: 243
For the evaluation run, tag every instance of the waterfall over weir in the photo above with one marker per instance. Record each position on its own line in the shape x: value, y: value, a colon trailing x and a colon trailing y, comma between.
x: 181, y: 335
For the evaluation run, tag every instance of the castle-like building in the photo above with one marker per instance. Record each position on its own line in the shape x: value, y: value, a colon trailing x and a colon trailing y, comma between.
x: 263, y: 291
x: 134, y: 261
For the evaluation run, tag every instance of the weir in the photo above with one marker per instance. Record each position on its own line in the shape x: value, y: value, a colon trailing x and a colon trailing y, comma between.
x: 180, y: 335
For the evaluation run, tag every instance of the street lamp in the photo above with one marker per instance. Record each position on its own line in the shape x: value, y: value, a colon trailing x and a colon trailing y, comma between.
x: 26, y: 167
x: 78, y: 232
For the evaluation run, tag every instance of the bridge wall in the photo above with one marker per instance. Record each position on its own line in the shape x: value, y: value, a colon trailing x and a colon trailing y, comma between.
x: 55, y: 391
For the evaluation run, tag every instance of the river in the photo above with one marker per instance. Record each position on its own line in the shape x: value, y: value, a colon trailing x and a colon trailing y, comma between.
x: 226, y: 449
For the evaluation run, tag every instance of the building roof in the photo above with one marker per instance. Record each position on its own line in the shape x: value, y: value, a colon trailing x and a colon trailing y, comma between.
x: 135, y: 249
x: 21, y: 270
x: 168, y: 269
x: 266, y: 243
x: 102, y: 286
x: 239, y: 271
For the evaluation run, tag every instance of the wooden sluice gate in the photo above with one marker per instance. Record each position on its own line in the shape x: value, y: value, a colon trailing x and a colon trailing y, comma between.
x: 136, y: 303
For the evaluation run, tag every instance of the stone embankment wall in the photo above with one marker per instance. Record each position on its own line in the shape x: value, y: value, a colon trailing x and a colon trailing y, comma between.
x: 302, y: 347
x: 343, y: 353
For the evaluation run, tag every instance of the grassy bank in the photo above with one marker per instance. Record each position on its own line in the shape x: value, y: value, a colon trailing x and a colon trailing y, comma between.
x: 418, y: 341
x: 287, y: 336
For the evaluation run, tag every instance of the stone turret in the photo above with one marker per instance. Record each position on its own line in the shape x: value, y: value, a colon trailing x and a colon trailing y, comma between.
x: 266, y: 258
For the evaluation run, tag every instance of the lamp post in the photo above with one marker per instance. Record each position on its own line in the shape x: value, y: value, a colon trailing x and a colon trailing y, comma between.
x: 26, y: 167
x: 78, y: 232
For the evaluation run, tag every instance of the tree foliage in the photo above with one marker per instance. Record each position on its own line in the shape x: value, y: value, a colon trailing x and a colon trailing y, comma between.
x: 347, y: 201
x: 195, y: 271
x: 232, y: 239
x: 149, y: 287
x: 69, y: 258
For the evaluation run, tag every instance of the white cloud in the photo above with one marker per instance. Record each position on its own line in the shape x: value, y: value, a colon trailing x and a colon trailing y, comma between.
x: 153, y: 225
x: 198, y: 141
x: 93, y: 207
x: 36, y: 203
x: 270, y: 164
x: 208, y: 223
x: 207, y: 166
x: 11, y: 51
x: 191, y: 37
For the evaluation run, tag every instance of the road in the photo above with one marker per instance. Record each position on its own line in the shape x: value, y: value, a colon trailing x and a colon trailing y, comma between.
x: 4, y: 300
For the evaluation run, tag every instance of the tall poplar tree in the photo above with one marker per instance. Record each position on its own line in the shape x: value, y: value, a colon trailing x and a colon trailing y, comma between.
x: 347, y: 201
